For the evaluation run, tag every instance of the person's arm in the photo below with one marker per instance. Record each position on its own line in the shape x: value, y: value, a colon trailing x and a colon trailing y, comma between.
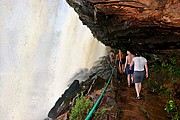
x: 146, y: 67
x: 120, y: 56
x: 125, y: 64
x: 119, y: 66
x: 117, y: 57
x: 132, y: 63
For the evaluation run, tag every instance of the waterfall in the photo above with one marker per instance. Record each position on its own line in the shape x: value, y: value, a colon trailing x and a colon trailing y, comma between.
x: 42, y: 44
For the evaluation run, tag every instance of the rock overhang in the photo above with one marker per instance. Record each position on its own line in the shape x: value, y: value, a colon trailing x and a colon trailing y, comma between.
x: 143, y: 24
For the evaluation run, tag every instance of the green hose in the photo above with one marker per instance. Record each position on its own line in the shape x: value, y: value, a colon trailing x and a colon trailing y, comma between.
x: 100, y: 97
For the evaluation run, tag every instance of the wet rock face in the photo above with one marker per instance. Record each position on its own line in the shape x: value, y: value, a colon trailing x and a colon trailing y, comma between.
x: 62, y: 104
x: 153, y: 24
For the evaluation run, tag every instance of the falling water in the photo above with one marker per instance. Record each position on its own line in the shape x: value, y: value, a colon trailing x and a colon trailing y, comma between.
x: 42, y: 44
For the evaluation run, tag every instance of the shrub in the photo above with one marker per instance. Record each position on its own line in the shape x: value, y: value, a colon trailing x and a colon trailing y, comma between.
x: 81, y: 109
x: 172, y: 110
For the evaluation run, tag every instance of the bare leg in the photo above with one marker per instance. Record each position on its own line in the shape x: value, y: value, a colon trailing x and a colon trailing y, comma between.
x: 137, y: 89
x: 140, y: 86
x: 132, y: 78
x: 128, y: 78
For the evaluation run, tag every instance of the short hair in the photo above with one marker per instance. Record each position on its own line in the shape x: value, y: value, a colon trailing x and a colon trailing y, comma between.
x: 138, y: 53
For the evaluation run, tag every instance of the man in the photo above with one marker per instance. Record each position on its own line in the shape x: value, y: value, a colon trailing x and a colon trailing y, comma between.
x: 139, y: 63
x: 127, y: 69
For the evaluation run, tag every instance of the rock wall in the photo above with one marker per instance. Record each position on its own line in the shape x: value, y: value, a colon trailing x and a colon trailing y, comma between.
x: 145, y: 24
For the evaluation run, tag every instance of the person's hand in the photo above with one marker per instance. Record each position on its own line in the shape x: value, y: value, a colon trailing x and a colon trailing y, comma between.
x: 147, y: 75
x: 130, y: 68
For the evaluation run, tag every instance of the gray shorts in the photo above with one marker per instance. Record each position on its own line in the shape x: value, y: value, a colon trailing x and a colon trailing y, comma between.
x: 139, y: 76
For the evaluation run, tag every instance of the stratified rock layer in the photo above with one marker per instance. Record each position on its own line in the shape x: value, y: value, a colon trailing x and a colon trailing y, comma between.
x: 145, y: 24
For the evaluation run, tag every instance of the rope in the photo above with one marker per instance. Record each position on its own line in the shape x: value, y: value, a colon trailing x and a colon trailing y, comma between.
x: 100, y: 97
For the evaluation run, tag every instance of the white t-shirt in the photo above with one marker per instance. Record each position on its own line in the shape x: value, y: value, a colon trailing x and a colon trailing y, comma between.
x: 139, y: 63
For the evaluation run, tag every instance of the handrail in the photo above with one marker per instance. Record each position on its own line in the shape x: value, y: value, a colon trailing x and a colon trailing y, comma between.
x: 100, y: 97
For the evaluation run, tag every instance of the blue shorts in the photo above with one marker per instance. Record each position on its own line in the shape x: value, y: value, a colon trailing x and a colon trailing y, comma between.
x: 128, y: 71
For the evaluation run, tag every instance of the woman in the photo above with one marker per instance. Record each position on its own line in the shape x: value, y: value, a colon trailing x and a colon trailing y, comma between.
x: 139, y: 63
x: 122, y: 60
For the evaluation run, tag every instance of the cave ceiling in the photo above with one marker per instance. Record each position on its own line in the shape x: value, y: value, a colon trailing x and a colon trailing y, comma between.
x: 143, y: 24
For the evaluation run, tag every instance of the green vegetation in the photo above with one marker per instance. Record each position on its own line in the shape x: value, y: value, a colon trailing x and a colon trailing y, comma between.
x: 81, y: 109
x: 101, y: 111
x: 171, y: 66
x: 164, y: 73
x: 172, y: 110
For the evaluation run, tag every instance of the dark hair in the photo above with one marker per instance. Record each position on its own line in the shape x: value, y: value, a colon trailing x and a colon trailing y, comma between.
x: 138, y: 53
x: 131, y: 51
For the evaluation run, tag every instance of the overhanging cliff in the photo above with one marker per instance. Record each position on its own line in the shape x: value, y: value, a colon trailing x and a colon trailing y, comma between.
x: 146, y: 24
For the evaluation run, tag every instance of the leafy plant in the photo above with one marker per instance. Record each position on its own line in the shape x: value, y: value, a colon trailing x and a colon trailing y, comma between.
x: 81, y: 109
x: 171, y: 107
x: 172, y: 110
x: 171, y: 65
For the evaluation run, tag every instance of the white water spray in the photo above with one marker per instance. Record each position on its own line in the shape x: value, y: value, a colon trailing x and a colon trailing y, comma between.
x: 42, y: 44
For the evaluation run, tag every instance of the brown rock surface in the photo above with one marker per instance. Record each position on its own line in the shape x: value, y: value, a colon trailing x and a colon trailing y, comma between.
x: 146, y: 24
